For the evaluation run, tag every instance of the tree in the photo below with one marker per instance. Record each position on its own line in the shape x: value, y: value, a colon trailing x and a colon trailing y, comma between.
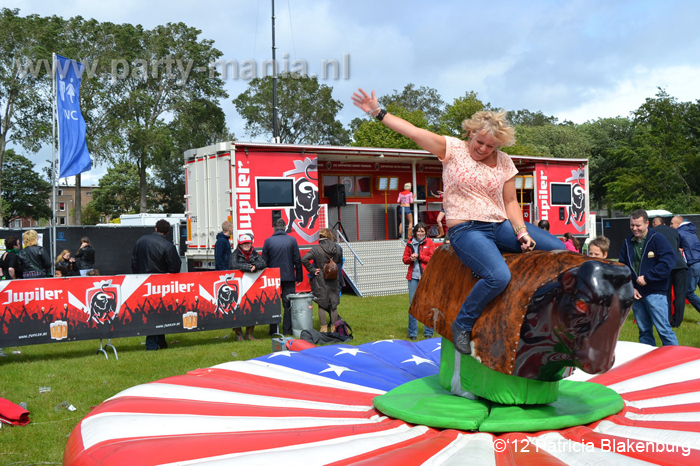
x: 95, y: 45
x: 528, y: 118
x: 658, y: 166
x: 607, y: 136
x: 559, y: 141
x: 25, y: 105
x: 307, y: 110
x: 118, y: 191
x: 161, y: 77
x: 461, y: 109
x: 372, y: 133
x: 24, y: 193
x: 202, y: 124
x: 424, y: 99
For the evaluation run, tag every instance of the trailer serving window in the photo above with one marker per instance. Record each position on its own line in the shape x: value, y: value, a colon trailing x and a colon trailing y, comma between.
x: 275, y: 192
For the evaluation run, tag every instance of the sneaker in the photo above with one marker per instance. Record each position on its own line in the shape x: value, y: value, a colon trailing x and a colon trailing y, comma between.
x: 461, y: 339
x: 413, y: 338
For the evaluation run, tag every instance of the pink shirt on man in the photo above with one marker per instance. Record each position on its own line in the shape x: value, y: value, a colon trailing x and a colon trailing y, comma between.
x: 473, y: 190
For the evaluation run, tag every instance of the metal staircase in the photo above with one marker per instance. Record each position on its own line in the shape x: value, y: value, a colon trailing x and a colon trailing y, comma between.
x: 380, y: 270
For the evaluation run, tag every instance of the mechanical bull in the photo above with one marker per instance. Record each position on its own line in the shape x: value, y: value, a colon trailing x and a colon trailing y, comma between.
x: 561, y: 310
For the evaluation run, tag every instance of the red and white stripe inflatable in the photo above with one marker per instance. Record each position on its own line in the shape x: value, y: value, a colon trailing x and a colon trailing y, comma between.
x: 314, y: 407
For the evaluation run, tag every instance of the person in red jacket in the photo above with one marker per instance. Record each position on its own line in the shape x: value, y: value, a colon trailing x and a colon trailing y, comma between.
x: 418, y: 251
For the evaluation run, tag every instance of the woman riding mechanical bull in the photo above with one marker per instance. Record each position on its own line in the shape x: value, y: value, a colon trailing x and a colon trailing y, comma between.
x: 480, y: 201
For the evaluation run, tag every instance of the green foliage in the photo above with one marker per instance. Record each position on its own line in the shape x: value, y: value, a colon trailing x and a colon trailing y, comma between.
x: 91, y: 216
x: 202, y: 123
x: 657, y: 168
x: 306, y: 110
x: 24, y: 193
x: 159, y: 87
x: 25, y: 84
x: 554, y: 141
x: 424, y: 99
x: 461, y: 109
x: 607, y: 136
x: 528, y: 118
x: 118, y: 191
x: 372, y: 133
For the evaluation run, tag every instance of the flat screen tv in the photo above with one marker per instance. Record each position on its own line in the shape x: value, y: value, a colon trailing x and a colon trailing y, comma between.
x: 275, y: 192
x: 561, y: 194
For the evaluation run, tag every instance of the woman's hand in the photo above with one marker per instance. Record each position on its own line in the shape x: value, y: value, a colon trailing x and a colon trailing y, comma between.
x: 527, y: 243
x: 364, y: 101
x: 317, y: 271
x: 414, y: 256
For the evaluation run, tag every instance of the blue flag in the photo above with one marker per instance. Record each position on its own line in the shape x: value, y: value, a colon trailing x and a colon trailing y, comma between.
x: 74, y: 155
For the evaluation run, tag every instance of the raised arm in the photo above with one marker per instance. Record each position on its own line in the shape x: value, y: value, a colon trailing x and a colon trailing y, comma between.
x: 433, y: 143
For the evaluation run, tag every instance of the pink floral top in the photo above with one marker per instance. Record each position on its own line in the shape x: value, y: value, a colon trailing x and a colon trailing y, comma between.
x: 473, y: 190
x: 405, y: 197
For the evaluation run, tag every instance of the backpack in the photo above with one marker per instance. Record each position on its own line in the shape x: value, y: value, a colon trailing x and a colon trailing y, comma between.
x: 342, y: 327
x: 330, y: 270
x: 318, y: 338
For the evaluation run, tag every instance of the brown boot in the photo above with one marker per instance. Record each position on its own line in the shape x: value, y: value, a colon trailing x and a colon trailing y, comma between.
x: 324, y: 329
x: 249, y: 333
x: 441, y: 231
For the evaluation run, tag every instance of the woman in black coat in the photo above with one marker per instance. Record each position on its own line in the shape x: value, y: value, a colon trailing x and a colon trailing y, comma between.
x: 247, y: 259
x: 326, y: 292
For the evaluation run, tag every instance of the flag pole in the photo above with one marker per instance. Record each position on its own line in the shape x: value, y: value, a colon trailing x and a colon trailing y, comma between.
x: 53, y: 163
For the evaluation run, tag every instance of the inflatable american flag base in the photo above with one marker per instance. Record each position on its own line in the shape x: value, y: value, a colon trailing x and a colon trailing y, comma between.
x: 315, y: 407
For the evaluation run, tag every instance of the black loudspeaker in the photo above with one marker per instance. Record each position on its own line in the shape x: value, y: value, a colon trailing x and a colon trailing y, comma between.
x: 336, y: 195
x: 420, y: 192
x: 275, y: 215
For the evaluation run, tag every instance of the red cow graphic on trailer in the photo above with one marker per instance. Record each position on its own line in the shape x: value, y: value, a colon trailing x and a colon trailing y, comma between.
x: 561, y: 197
x: 299, y: 207
x: 577, y: 210
x: 302, y: 218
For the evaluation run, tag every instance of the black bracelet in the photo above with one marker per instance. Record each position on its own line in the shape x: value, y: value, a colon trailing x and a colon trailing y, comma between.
x: 380, y: 116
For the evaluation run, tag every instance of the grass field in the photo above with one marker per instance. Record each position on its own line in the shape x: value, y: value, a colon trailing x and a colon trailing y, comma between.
x: 81, y: 377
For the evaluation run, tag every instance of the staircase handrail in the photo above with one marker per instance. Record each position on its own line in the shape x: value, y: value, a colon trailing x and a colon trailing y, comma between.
x: 357, y: 258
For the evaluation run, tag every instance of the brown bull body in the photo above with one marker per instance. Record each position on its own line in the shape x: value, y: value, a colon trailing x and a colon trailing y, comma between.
x: 560, y: 310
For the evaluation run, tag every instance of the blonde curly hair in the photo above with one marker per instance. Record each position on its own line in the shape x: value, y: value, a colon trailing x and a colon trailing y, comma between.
x: 493, y: 122
x: 30, y: 238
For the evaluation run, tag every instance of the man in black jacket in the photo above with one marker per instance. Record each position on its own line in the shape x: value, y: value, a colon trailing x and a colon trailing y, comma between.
x: 155, y: 254
x: 282, y: 251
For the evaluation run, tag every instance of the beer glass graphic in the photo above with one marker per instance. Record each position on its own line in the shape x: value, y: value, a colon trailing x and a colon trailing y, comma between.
x: 189, y: 320
x: 59, y: 330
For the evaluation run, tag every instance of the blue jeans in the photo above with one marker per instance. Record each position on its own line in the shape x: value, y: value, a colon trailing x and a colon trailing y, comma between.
x: 652, y: 311
x: 412, y: 321
x: 479, y: 246
x: 693, y: 280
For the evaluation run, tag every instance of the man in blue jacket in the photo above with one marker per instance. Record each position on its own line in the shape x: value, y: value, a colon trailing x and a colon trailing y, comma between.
x: 222, y: 247
x: 650, y: 257
x: 690, y: 245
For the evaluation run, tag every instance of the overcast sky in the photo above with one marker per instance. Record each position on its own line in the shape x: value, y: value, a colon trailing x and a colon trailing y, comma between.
x: 576, y: 60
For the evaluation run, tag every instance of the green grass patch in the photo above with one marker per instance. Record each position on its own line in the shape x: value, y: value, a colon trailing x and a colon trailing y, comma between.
x: 81, y: 377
